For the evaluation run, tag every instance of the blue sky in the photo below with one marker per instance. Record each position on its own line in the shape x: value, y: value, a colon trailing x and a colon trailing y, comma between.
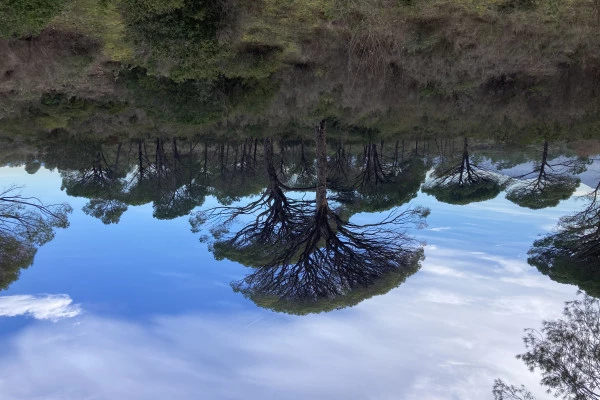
x: 141, y: 310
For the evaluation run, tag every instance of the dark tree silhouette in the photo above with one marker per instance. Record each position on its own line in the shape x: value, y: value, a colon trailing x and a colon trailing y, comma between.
x: 401, y: 185
x: 25, y: 224
x: 303, y: 169
x: 32, y: 165
x: 101, y: 182
x: 340, y: 169
x: 374, y: 181
x: 275, y: 219
x: 234, y: 174
x: 572, y: 254
x: 373, y: 171
x: 331, y: 258
x: 504, y: 391
x: 464, y: 182
x: 567, y: 353
x: 167, y: 172
x: 109, y: 211
x: 547, y: 184
x: 316, y: 261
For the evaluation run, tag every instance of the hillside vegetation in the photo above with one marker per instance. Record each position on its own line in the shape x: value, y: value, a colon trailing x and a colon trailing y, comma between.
x: 438, y: 64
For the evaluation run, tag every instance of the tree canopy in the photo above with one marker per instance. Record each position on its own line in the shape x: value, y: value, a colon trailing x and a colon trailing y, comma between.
x: 25, y: 224
x: 566, y: 352
x: 572, y: 254
x: 305, y: 257
x: 547, y: 184
x: 463, y: 182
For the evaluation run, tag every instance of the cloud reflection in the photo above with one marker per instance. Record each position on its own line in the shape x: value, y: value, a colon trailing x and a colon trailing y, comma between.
x: 48, y: 307
x: 414, y: 343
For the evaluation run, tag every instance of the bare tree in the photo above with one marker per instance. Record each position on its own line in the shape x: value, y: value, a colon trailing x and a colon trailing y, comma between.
x: 274, y: 217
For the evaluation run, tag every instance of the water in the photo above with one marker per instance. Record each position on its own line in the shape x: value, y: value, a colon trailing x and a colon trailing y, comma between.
x: 130, y: 302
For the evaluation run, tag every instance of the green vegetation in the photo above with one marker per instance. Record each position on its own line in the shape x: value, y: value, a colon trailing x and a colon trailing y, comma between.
x: 25, y: 224
x: 382, y: 285
x: 461, y: 195
x: 565, y: 352
x: 521, y: 69
x: 460, y: 181
x: 26, y: 18
x: 98, y: 19
x: 571, y: 254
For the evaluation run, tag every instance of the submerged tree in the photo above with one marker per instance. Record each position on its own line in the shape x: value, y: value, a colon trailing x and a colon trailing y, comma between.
x: 463, y: 182
x: 547, y: 184
x: 309, y: 259
x: 567, y: 353
x: 25, y: 224
x: 572, y: 254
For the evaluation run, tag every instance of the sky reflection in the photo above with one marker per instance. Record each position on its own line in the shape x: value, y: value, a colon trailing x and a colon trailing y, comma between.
x: 162, y: 322
x: 442, y: 335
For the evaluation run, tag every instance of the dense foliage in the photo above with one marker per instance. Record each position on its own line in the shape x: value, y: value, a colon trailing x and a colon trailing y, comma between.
x: 572, y: 254
x: 25, y: 224
x: 26, y: 18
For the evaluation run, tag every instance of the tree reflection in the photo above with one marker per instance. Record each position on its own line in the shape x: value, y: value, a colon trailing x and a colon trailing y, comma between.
x: 25, y: 224
x: 308, y: 258
x: 547, y: 184
x: 98, y: 180
x: 275, y: 222
x: 566, y: 352
x: 463, y: 182
x: 572, y: 254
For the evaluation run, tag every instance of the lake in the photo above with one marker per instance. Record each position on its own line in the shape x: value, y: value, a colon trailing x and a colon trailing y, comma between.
x: 299, y: 200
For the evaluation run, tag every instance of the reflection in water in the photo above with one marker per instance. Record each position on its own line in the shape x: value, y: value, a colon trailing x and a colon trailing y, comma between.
x: 49, y: 307
x: 25, y: 224
x: 464, y: 181
x: 307, y: 257
x: 571, y: 255
x: 567, y: 353
x: 547, y: 184
x: 280, y: 224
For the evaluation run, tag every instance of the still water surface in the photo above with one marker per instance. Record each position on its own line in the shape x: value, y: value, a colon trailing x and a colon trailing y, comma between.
x: 130, y: 302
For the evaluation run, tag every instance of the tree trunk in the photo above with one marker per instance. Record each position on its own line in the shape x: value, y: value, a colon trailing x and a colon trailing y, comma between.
x: 321, y: 145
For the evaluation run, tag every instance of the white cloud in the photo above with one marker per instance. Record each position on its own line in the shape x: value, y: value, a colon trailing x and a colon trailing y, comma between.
x: 49, y: 307
x: 440, y: 229
x: 414, y: 343
x: 445, y: 297
x: 444, y: 334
